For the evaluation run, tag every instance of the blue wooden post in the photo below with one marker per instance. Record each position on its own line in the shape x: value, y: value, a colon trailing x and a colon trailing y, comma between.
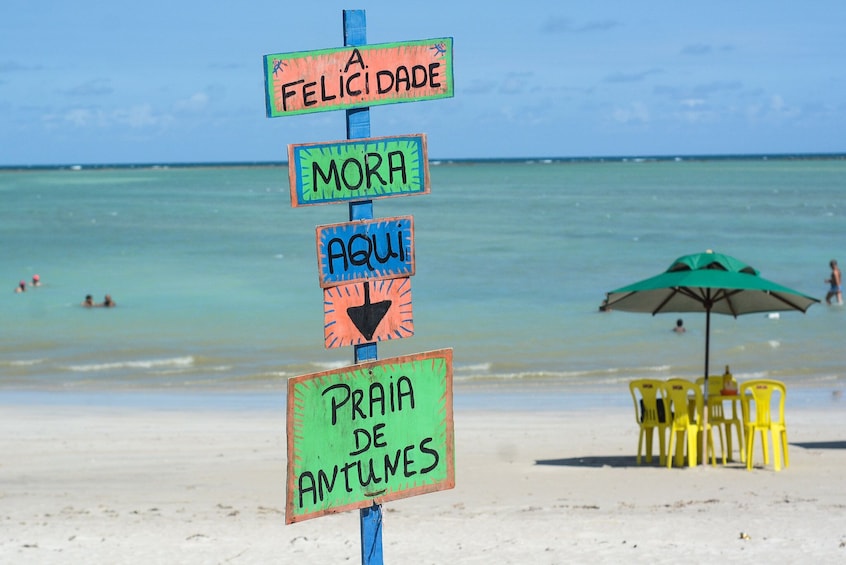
x: 358, y: 126
x: 358, y: 119
x: 371, y: 535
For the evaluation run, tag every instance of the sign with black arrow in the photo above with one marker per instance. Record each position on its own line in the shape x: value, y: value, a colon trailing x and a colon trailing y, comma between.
x: 366, y: 312
x: 367, y: 317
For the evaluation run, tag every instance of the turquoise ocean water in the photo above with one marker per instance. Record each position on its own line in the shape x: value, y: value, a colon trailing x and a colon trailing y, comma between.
x: 215, y: 275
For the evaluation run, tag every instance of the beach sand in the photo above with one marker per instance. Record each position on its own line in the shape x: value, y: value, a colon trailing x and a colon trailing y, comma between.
x: 92, y: 484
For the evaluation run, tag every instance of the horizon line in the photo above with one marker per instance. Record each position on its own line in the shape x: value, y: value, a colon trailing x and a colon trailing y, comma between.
x: 447, y: 161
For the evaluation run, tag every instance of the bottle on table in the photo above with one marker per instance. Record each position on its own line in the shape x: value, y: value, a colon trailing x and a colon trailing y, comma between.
x: 729, y: 384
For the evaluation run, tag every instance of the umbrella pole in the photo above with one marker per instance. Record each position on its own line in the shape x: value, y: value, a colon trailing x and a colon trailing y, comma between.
x: 705, y: 386
x: 707, y: 341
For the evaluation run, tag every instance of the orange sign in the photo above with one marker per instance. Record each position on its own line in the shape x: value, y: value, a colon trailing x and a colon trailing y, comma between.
x: 354, y: 77
x: 367, y: 311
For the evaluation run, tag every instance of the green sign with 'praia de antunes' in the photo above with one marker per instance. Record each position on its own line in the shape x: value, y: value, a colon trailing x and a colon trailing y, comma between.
x: 369, y: 433
x: 359, y: 169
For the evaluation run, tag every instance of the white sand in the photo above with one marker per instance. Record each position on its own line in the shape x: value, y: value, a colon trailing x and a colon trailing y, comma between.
x: 99, y: 485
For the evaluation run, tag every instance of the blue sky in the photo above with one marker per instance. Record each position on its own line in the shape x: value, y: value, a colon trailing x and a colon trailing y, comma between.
x: 182, y: 81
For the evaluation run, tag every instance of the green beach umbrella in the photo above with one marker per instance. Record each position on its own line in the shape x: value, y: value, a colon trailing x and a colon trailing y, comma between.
x: 711, y: 283
x: 707, y: 282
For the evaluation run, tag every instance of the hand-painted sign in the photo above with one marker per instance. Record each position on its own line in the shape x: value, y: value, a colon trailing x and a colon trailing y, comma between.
x: 360, y: 169
x: 365, y: 250
x: 365, y: 312
x: 369, y: 433
x: 355, y: 77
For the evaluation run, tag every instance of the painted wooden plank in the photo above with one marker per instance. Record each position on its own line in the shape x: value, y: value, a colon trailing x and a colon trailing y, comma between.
x: 359, y: 169
x: 365, y: 312
x: 365, y: 250
x: 358, y: 76
x: 369, y: 433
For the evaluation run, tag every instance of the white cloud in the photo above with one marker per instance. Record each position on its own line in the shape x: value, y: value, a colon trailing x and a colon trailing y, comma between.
x: 139, y: 116
x: 79, y: 117
x: 513, y: 83
x: 695, y: 110
x: 635, y: 112
x: 136, y: 117
x: 638, y: 76
x: 94, y: 87
x: 692, y: 102
x: 566, y: 25
x: 195, y: 103
x: 479, y: 86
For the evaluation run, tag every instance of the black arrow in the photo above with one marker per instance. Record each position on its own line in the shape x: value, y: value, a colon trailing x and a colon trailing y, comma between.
x: 368, y: 316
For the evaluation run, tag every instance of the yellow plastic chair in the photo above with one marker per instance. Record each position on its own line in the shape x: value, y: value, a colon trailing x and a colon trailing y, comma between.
x: 763, y: 410
x: 724, y: 423
x: 650, y: 413
x: 685, y: 406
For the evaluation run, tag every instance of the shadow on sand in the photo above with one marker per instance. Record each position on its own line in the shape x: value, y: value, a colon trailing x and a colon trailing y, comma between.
x: 631, y: 461
x: 598, y: 461
x: 821, y: 444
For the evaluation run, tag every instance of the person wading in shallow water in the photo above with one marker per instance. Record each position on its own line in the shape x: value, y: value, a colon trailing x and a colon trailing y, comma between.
x: 835, y: 284
x: 679, y: 329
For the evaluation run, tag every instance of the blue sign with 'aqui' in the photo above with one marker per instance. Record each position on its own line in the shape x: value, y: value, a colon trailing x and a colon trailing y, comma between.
x: 365, y: 250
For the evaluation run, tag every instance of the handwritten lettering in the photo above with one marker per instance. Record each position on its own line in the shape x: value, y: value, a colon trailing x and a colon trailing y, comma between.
x: 374, y: 461
x: 364, y: 439
x: 375, y: 398
x: 360, y: 250
x: 353, y: 174
x: 402, y: 80
x: 399, y: 79
x: 368, y: 472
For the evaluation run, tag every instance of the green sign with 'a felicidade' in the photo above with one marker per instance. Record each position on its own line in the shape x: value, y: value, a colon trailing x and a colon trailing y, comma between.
x: 369, y: 433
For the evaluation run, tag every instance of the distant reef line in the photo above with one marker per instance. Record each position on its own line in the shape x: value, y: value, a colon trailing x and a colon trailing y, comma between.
x: 448, y: 161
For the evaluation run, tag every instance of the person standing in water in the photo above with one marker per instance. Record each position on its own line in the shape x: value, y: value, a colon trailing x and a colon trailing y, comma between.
x: 835, y: 284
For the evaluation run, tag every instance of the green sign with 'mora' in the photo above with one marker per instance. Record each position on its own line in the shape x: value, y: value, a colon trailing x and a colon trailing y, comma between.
x: 358, y: 169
